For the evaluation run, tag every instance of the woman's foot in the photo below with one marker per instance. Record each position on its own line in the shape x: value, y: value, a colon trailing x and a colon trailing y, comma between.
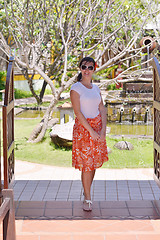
x: 87, y: 205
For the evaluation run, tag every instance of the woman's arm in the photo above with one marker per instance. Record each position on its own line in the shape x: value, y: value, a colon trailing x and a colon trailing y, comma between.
x: 103, y: 113
x: 75, y: 99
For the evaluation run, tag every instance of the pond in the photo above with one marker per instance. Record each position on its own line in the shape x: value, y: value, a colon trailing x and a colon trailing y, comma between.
x: 35, y: 114
x: 116, y: 128
x: 131, y: 129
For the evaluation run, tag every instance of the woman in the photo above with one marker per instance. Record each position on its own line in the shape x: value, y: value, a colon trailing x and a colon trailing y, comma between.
x: 89, y: 150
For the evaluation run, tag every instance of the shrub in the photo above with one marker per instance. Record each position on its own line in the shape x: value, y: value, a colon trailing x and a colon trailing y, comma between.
x: 2, y: 82
x: 21, y: 94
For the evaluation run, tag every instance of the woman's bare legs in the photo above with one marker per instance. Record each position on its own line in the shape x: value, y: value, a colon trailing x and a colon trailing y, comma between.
x: 87, y: 179
x: 93, y: 173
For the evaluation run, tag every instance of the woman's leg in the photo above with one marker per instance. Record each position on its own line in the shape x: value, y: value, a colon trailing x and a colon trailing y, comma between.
x: 93, y: 173
x: 87, y: 179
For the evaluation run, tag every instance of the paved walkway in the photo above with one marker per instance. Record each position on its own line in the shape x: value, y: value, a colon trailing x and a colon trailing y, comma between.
x: 46, y: 188
x: 48, y: 207
x: 25, y: 101
x: 36, y: 182
x: 88, y: 230
x: 133, y: 213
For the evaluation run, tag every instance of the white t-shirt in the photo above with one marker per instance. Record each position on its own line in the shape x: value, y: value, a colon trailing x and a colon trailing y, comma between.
x: 89, y: 99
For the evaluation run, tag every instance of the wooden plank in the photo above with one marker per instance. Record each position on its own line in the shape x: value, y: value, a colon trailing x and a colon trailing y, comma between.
x: 10, y: 149
x: 156, y: 66
x: 7, y: 214
x: 156, y: 146
x: 8, y: 115
x: 156, y: 105
x: 8, y: 79
x: 5, y: 148
x: 9, y: 232
x: 4, y: 208
x: 10, y: 185
x: 10, y: 106
x: 156, y: 180
x: 1, y: 199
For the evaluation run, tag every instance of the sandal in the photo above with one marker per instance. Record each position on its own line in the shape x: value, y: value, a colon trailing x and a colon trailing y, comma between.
x: 87, y: 205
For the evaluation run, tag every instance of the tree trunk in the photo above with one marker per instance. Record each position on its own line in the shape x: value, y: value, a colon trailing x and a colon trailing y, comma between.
x: 30, y: 83
x: 36, y: 131
x: 43, y: 90
x: 39, y: 131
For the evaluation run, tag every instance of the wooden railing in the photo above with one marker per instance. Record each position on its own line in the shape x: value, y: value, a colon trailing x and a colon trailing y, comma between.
x: 7, y: 211
x: 1, y: 197
x: 8, y: 127
x: 156, y: 107
x: 7, y: 215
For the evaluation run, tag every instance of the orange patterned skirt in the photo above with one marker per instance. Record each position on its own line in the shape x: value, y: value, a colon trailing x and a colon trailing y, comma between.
x: 88, y: 154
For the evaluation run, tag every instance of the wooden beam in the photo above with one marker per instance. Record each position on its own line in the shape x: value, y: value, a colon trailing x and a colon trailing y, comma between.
x: 10, y: 106
x: 156, y: 180
x: 4, y: 208
x: 156, y: 146
x: 156, y: 105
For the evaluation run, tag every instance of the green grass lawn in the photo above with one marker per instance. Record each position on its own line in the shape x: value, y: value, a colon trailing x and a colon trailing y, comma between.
x: 47, y: 153
x: 141, y: 156
x: 44, y: 152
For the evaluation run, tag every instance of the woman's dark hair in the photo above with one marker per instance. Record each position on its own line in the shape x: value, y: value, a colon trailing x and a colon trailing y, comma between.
x: 85, y: 59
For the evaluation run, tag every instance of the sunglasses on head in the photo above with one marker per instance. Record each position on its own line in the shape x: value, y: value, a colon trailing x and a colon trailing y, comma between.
x: 85, y: 67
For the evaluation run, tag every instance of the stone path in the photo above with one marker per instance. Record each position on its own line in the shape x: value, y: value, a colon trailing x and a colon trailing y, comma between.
x: 37, y: 182
x: 48, y: 206
x: 64, y: 219
x: 72, y: 210
x: 52, y: 192
x: 142, y: 229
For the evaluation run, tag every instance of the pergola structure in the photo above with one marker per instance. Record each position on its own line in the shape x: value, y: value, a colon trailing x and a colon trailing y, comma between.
x: 7, y: 214
x: 156, y: 106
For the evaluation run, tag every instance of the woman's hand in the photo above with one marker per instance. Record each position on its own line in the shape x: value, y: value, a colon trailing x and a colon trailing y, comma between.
x: 103, y: 135
x: 94, y: 135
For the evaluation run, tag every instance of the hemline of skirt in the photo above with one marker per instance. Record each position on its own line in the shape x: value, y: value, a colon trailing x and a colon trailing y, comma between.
x: 92, y: 169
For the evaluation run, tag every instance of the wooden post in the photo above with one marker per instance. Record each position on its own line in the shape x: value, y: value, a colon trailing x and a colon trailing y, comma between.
x: 156, y: 107
x: 8, y: 126
x: 9, y: 232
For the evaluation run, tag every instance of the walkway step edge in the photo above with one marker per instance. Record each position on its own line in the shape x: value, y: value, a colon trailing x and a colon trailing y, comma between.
x: 141, y: 209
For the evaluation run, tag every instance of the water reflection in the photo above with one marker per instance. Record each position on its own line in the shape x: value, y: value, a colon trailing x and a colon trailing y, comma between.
x: 125, y: 128
x: 36, y: 114
x: 131, y: 129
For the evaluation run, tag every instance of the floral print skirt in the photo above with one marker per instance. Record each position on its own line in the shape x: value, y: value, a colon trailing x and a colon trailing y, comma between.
x: 87, y: 153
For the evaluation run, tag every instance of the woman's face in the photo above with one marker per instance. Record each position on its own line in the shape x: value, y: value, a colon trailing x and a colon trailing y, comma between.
x: 87, y: 69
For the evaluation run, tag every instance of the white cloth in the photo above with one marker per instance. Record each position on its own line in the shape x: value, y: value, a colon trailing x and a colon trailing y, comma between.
x: 89, y: 99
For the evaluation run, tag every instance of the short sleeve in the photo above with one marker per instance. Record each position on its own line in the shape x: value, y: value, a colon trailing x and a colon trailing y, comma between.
x: 76, y: 88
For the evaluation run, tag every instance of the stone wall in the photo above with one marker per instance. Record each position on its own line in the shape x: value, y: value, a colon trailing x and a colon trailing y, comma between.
x: 129, y: 109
